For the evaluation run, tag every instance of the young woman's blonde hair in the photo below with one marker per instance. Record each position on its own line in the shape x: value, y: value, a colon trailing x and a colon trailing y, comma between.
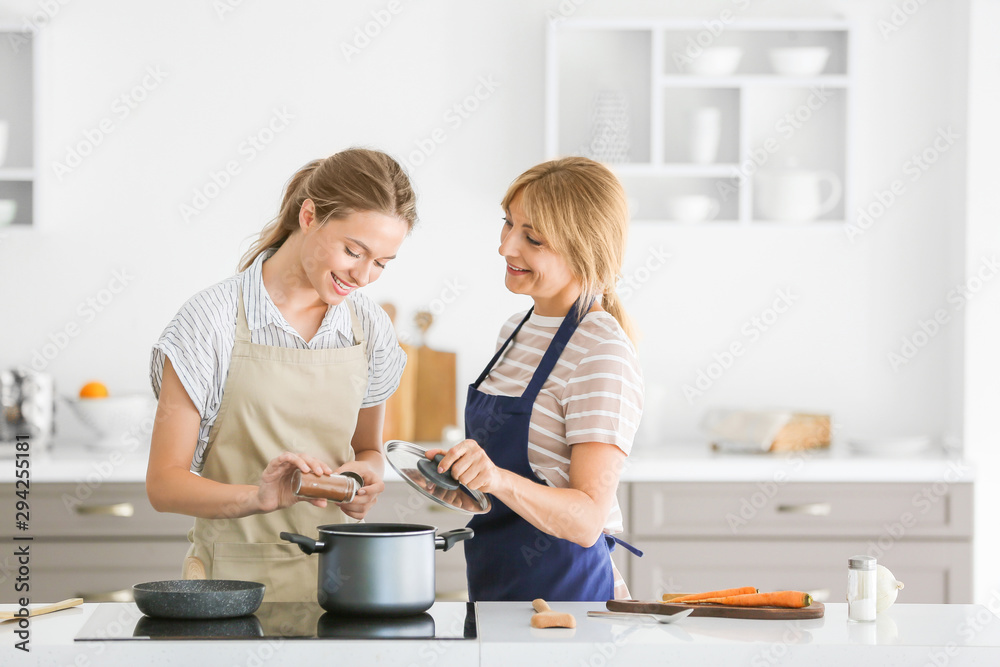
x: 351, y: 181
x: 579, y: 207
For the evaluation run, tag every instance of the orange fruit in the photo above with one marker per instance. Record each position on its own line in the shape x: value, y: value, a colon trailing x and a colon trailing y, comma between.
x: 94, y: 390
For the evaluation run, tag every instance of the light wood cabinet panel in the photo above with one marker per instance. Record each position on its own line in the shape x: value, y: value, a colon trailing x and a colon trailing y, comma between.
x: 80, y: 510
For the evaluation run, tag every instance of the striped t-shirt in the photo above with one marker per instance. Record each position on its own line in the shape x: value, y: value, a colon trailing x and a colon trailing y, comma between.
x: 199, y: 342
x: 594, y: 393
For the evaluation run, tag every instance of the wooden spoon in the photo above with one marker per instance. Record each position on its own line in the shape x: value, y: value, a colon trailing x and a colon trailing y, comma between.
x: 37, y: 611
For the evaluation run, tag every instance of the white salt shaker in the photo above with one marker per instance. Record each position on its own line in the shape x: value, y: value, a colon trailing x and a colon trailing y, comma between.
x: 861, y: 588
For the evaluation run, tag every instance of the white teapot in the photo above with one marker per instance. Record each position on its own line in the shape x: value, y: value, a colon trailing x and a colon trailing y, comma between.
x: 795, y: 195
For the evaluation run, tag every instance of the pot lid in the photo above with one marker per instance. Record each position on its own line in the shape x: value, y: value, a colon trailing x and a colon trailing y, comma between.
x: 421, y: 473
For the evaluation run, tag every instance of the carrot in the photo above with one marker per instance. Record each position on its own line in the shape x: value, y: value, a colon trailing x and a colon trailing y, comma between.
x: 793, y: 599
x: 711, y: 594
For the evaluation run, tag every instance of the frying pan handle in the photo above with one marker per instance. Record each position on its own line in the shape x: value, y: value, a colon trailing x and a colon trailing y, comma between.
x: 307, y: 544
x: 446, y: 541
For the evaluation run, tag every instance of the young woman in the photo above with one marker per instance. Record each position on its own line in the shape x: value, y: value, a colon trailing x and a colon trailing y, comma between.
x: 283, y: 367
x: 551, y: 419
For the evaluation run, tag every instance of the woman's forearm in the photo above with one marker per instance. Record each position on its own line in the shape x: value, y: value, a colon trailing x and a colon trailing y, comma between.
x: 183, y: 492
x: 566, y: 513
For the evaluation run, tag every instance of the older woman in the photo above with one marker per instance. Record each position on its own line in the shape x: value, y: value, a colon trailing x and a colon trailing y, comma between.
x: 552, y: 417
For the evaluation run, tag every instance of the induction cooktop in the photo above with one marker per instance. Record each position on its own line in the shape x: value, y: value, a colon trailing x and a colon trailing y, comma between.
x: 289, y: 620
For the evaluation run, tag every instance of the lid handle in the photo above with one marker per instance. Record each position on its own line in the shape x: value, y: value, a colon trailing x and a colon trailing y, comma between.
x: 428, y: 468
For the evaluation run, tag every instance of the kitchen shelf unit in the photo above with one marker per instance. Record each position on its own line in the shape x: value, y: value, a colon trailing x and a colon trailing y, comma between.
x: 637, y: 64
x: 18, y: 58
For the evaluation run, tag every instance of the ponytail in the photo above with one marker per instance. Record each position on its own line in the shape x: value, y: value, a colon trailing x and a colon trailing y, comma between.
x: 287, y: 220
x: 613, y: 304
x: 351, y: 181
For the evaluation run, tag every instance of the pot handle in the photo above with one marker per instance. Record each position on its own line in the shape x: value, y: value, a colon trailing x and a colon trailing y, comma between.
x: 307, y: 544
x: 446, y: 541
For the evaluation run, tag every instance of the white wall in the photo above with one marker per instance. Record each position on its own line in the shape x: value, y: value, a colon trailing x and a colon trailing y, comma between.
x: 982, y: 353
x: 119, y: 210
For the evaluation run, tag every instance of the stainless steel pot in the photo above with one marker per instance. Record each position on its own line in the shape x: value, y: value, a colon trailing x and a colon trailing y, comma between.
x: 377, y: 568
x: 27, y: 406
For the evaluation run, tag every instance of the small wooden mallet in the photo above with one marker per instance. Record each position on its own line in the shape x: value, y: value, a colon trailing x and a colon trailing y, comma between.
x: 544, y: 617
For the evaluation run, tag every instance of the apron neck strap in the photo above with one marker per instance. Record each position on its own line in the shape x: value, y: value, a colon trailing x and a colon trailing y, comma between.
x: 242, y: 329
x: 555, y: 350
x: 496, y: 357
x: 359, y: 334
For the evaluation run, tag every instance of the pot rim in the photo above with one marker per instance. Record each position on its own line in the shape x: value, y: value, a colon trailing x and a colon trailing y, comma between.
x: 376, y: 529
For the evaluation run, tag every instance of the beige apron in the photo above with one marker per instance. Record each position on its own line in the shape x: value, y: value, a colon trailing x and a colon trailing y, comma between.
x: 277, y: 399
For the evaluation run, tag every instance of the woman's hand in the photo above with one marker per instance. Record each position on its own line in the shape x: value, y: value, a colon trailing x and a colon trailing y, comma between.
x: 366, y: 495
x: 470, y: 465
x: 275, y: 489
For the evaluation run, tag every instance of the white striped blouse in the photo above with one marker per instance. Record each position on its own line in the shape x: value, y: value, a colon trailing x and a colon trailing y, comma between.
x: 199, y: 342
x: 594, y: 393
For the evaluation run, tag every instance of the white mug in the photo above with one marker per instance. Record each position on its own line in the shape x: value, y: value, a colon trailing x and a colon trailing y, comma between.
x: 793, y: 195
x: 692, y: 208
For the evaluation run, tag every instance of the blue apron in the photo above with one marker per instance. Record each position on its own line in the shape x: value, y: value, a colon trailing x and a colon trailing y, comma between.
x: 509, y: 559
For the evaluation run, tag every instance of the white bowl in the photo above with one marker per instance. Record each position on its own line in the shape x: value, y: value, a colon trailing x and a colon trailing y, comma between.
x: 8, y: 211
x: 716, y: 61
x: 799, y: 61
x: 692, y: 208
x: 119, y: 421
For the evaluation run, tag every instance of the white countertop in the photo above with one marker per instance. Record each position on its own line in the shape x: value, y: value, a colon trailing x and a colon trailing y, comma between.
x: 904, y: 635
x: 73, y: 462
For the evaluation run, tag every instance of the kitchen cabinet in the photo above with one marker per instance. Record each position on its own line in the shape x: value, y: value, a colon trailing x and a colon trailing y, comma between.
x: 17, y: 117
x: 708, y: 120
x: 95, y: 543
x: 703, y: 536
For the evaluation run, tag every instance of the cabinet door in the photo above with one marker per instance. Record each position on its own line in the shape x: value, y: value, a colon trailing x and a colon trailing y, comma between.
x: 933, y: 572
x: 97, y: 571
x: 401, y: 504
x: 796, y: 509
x: 82, y: 510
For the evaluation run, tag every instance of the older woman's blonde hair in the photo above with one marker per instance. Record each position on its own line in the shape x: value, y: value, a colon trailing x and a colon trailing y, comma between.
x: 579, y: 207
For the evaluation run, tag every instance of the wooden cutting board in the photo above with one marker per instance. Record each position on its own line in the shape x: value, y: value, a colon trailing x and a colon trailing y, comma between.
x: 815, y: 610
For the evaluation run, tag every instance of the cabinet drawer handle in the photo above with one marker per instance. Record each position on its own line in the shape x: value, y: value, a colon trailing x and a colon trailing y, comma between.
x: 123, y: 595
x: 434, y: 507
x: 114, y: 509
x: 820, y: 594
x: 815, y: 509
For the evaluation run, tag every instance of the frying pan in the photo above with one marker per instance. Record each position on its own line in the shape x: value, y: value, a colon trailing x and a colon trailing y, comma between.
x: 198, y: 598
